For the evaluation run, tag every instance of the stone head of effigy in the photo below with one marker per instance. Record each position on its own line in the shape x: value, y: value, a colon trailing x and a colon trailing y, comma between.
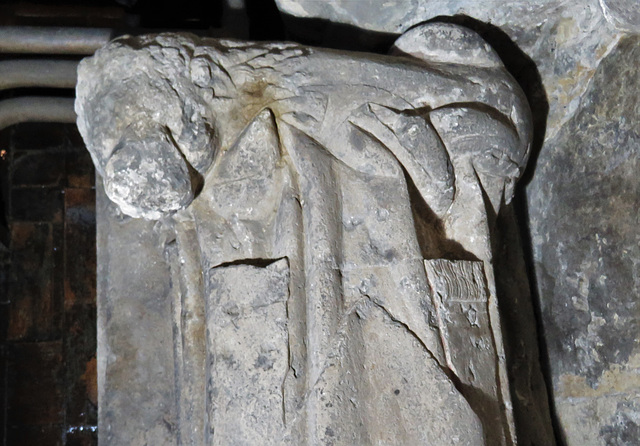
x: 151, y: 132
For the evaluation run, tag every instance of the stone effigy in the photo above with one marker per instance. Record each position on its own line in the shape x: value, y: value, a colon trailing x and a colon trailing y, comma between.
x: 577, y: 64
x: 325, y: 221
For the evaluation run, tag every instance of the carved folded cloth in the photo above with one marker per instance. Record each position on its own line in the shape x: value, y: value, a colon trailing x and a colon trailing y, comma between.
x: 443, y: 96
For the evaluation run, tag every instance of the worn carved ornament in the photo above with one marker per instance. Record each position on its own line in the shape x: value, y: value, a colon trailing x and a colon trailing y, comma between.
x: 330, y: 215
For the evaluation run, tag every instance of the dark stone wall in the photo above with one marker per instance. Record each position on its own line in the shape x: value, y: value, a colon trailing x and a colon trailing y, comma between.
x: 584, y: 209
x: 47, y: 284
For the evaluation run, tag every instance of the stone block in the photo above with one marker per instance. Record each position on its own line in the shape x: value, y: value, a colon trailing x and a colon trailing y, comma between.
x: 261, y: 227
x: 583, y: 208
x: 135, y: 333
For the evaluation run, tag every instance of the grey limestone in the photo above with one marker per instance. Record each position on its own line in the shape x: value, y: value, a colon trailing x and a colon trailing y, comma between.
x: 584, y: 206
x: 565, y: 39
x: 623, y: 14
x: 313, y: 234
x: 581, y: 204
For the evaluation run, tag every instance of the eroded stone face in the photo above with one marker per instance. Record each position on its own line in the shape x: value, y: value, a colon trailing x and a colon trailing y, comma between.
x: 146, y: 174
x: 326, y: 220
x: 162, y: 89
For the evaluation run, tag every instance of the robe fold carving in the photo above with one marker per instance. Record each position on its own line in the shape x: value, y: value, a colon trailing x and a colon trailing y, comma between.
x: 328, y: 223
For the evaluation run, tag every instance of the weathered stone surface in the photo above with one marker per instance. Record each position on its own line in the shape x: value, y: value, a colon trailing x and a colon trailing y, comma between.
x: 136, y: 390
x: 583, y: 201
x: 298, y: 195
x: 623, y: 14
x: 565, y: 39
x: 249, y: 353
x: 583, y: 207
x: 146, y: 176
x: 462, y: 309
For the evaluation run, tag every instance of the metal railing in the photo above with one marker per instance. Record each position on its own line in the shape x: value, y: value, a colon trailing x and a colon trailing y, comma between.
x: 48, y: 73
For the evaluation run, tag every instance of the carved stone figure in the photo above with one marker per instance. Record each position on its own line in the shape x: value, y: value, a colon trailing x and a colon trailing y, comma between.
x: 326, y: 218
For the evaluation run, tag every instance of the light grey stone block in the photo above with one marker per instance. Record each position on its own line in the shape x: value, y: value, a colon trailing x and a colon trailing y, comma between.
x: 297, y: 193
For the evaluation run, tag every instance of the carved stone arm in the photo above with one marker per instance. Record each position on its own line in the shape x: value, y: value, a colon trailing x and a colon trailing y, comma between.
x: 446, y: 97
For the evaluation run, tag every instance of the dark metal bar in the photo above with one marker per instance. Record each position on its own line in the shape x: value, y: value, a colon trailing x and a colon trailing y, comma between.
x: 37, y: 73
x: 36, y: 109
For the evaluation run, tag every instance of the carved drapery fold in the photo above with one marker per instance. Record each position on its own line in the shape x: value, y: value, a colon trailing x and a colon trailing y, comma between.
x: 300, y: 192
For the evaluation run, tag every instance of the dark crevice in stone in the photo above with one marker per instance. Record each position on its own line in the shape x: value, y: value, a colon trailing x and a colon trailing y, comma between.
x: 322, y: 32
x: 265, y: 22
x: 513, y: 261
x: 430, y: 231
x: 196, y: 179
x: 258, y: 263
x: 188, y: 14
x: 521, y: 216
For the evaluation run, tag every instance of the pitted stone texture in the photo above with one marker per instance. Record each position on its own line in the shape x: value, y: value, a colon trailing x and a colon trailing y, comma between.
x: 445, y: 43
x: 463, y: 315
x: 146, y: 175
x: 136, y: 394
x: 623, y: 14
x: 583, y: 207
x: 565, y: 39
x: 297, y: 273
x: 228, y: 82
x: 249, y: 357
x: 164, y: 92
